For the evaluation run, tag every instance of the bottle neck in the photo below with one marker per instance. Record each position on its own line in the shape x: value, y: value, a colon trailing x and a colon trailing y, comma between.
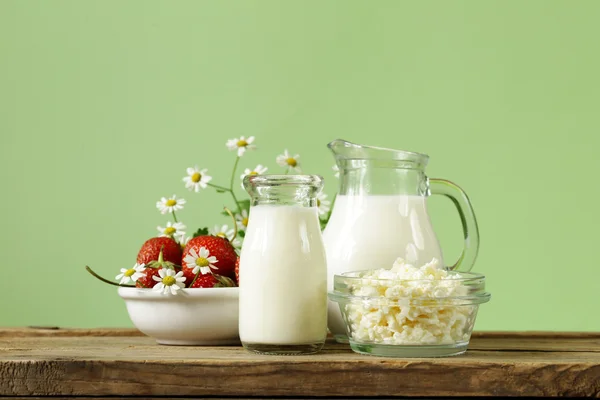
x: 362, y: 177
x: 283, y: 190
x: 300, y: 196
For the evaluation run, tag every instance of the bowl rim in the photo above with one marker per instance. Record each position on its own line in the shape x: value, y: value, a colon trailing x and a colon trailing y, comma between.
x: 445, y: 301
x: 465, y: 277
x: 144, y: 293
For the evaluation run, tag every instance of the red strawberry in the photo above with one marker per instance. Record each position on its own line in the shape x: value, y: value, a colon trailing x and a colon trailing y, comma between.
x: 152, y: 270
x: 151, y: 248
x: 210, y: 280
x: 189, y: 276
x: 218, y: 247
x: 237, y: 271
x: 146, y: 281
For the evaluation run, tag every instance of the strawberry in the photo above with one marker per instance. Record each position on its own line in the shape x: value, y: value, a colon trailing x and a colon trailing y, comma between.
x: 152, y: 270
x: 151, y: 248
x: 237, y: 271
x: 146, y: 281
x: 218, y: 247
x: 210, y: 280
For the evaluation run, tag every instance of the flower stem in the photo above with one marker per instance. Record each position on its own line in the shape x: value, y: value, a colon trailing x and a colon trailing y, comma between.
x: 235, y: 227
x: 219, y: 187
x: 174, y: 217
x: 194, y: 280
x: 88, y: 269
x: 235, y: 165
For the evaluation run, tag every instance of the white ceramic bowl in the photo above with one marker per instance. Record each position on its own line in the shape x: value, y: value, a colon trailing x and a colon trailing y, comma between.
x: 206, y: 316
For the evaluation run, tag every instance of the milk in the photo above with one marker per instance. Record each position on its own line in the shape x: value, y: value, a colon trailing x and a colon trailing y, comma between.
x: 283, y: 277
x: 371, y: 232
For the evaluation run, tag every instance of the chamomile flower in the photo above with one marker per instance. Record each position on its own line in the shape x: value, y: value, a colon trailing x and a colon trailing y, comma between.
x: 168, y: 205
x: 222, y: 231
x: 336, y: 169
x: 176, y: 230
x: 183, y: 240
x: 291, y: 163
x: 131, y: 274
x: 322, y: 204
x: 242, y: 220
x: 196, y: 179
x: 200, y: 261
x: 241, y: 145
x: 259, y: 170
x: 237, y: 242
x: 169, y: 282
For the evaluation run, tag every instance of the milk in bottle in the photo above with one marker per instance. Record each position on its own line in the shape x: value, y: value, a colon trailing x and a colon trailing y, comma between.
x: 283, y: 281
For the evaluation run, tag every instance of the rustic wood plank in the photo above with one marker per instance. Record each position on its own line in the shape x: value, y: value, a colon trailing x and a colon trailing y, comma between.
x: 495, y: 341
x: 539, y: 343
x: 534, y: 334
x: 135, y: 366
x: 51, y: 331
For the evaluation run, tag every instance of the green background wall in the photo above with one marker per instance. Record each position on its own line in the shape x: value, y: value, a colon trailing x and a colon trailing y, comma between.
x: 103, y: 104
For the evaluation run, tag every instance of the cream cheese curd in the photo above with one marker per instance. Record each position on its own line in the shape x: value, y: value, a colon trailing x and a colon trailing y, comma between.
x: 408, y: 305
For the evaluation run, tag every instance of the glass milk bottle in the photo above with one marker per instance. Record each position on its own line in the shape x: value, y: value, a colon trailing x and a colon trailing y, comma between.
x: 283, y: 269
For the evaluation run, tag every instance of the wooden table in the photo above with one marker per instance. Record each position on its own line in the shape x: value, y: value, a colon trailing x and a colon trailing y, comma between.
x: 104, y: 362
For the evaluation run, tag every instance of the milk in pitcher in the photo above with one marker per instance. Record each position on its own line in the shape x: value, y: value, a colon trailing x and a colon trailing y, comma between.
x: 371, y: 232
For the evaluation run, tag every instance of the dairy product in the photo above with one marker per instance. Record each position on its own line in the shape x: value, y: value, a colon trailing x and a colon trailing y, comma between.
x: 283, y: 281
x: 407, y: 305
x: 370, y: 232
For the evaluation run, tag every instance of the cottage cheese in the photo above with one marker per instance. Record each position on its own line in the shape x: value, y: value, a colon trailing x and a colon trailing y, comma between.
x: 405, y: 305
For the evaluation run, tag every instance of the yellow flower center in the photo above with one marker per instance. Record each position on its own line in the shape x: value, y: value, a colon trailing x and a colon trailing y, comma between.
x: 196, y: 177
x: 171, y: 202
x: 245, y: 221
x: 170, y: 230
x: 130, y: 272
x: 168, y: 280
x: 202, y: 262
x: 253, y: 173
x: 242, y: 143
x: 222, y: 234
x: 291, y: 162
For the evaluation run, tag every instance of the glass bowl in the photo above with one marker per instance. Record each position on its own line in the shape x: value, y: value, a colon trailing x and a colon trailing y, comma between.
x: 409, y: 318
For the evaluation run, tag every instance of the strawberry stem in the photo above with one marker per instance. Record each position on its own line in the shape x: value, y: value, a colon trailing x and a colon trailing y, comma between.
x: 88, y: 269
x: 235, y: 227
x: 160, y: 253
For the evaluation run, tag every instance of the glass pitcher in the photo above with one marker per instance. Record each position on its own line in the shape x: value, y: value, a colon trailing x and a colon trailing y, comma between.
x: 380, y: 214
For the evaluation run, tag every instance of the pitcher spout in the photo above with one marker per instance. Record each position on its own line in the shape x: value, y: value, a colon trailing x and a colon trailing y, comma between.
x: 345, y: 150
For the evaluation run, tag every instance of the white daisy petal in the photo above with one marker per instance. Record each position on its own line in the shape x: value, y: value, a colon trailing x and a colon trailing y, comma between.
x: 204, y: 252
x: 336, y: 169
x: 205, y: 270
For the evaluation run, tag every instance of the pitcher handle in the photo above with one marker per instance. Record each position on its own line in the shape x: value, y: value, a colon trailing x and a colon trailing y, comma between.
x: 467, y: 217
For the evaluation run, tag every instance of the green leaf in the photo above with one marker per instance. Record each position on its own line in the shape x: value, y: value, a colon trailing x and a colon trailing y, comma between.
x: 241, y: 234
x: 245, y: 204
x: 201, y: 232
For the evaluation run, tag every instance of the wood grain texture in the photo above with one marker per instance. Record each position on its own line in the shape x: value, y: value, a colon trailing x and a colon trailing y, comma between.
x: 121, y: 365
x: 66, y: 332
